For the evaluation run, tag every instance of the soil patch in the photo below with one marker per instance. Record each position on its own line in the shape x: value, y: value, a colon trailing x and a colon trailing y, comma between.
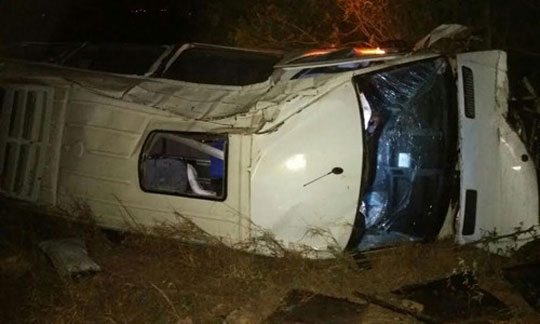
x: 457, y: 297
x: 148, y: 279
x: 526, y: 280
x: 307, y: 307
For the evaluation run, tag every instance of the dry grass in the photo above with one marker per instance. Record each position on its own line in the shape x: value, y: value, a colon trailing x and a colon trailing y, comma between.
x: 162, y: 280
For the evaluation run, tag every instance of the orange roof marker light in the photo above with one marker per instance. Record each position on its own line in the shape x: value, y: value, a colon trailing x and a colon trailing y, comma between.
x: 369, y: 51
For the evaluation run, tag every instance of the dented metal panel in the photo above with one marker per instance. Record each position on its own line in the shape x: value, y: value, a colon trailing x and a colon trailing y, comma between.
x: 320, y: 214
x: 224, y: 108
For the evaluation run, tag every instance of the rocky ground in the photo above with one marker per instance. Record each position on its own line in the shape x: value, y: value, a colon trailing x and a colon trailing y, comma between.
x: 150, y: 280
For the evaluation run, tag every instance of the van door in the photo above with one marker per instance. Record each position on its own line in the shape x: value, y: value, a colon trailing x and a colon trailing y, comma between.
x: 499, y: 192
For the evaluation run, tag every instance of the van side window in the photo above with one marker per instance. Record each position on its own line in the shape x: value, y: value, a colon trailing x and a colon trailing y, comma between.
x: 184, y: 164
x: 222, y: 66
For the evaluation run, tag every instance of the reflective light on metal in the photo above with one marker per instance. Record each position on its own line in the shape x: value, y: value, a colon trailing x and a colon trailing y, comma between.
x: 369, y: 51
x: 296, y: 162
x: 319, y: 52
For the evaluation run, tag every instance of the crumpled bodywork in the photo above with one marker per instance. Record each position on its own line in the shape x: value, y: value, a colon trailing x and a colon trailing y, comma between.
x: 102, y: 120
x: 225, y: 108
x: 283, y: 140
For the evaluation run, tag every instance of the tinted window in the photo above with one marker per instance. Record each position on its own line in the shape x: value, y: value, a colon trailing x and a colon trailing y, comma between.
x: 221, y: 66
x: 184, y: 164
x: 116, y: 58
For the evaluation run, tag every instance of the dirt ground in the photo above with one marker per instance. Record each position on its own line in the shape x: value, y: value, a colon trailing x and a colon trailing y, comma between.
x: 151, y: 280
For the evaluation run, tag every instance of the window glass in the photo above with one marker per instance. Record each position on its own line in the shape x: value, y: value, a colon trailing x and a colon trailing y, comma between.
x: 116, y: 58
x: 184, y: 164
x: 410, y: 146
x: 222, y: 66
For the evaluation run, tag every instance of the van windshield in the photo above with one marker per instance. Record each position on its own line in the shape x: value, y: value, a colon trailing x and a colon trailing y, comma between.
x: 410, y: 136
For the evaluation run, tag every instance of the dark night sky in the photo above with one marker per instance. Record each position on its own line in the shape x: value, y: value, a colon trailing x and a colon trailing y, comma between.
x: 141, y: 21
x: 210, y: 21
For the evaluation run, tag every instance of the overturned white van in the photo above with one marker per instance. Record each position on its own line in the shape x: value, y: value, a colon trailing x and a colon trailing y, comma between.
x: 325, y: 150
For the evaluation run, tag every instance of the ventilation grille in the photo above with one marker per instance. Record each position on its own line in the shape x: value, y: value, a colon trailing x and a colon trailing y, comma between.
x: 469, y: 219
x: 24, y: 126
x: 468, y: 91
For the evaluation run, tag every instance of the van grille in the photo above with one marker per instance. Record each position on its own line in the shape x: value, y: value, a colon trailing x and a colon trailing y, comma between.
x: 24, y: 124
x: 468, y: 91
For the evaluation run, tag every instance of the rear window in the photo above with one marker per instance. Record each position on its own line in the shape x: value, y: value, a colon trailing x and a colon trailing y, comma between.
x: 222, y: 66
x: 116, y: 58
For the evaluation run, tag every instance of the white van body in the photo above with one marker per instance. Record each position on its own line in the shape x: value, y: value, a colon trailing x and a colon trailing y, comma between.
x: 493, y: 158
x: 86, y: 137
